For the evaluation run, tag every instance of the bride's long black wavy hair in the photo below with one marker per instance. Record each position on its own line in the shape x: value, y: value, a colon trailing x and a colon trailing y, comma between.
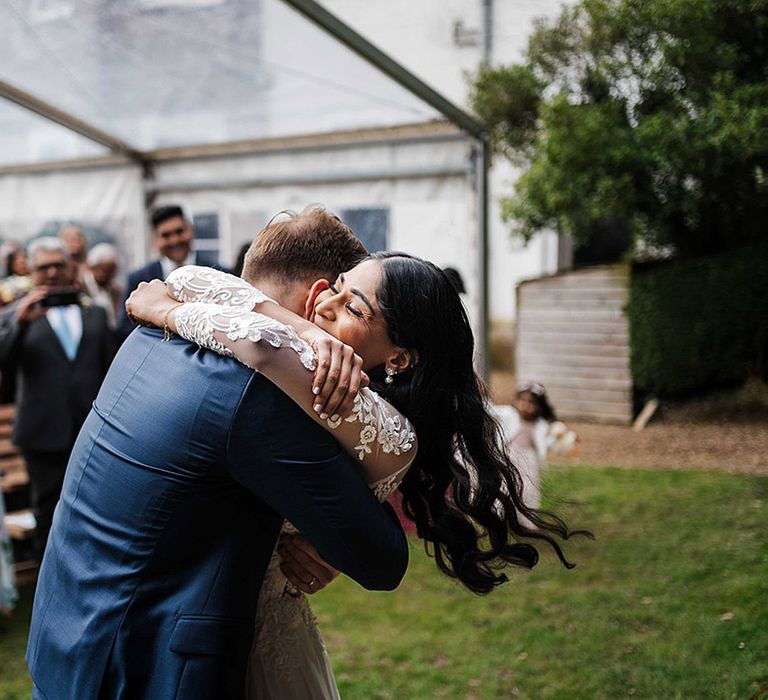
x: 462, y: 491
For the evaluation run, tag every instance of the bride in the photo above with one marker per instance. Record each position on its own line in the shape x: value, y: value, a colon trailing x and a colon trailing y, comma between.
x: 403, y: 317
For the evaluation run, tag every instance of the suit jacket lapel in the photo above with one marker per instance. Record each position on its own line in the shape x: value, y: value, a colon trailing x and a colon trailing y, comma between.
x: 156, y: 272
x: 45, y: 328
x: 86, y: 318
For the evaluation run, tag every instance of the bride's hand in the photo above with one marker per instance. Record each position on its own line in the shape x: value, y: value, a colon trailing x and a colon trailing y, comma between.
x: 302, y: 565
x: 339, y: 374
x: 149, y: 303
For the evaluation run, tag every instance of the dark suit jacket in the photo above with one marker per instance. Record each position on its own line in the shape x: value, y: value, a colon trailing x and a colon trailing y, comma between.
x: 150, y: 271
x: 171, y: 506
x: 53, y: 393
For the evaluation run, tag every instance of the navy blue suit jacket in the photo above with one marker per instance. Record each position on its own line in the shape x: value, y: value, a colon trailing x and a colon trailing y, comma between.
x: 172, y: 502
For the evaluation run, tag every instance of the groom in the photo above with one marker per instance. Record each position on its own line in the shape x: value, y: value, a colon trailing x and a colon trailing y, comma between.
x: 175, y: 493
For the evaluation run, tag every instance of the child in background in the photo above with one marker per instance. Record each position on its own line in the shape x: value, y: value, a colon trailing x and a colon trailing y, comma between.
x: 531, y: 430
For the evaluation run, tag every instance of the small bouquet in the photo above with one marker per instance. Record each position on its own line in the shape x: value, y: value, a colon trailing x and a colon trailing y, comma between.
x: 562, y: 441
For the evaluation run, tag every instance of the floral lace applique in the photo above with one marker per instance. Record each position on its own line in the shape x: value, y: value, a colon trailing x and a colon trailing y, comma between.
x: 381, y: 425
x: 195, y: 283
x: 384, y: 488
x: 198, y: 321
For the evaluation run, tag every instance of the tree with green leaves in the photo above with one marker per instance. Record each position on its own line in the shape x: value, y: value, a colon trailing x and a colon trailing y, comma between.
x: 650, y: 113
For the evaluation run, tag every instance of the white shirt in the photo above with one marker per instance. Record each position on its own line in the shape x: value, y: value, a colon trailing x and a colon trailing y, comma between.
x: 169, y: 265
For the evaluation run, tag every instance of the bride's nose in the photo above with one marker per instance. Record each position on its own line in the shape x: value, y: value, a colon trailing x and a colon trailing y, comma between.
x: 325, y: 308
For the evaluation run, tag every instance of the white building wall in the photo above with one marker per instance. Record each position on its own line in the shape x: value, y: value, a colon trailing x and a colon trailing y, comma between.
x: 420, y: 35
x: 431, y: 216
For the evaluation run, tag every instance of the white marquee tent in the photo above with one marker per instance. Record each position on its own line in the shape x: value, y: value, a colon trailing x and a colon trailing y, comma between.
x: 236, y: 109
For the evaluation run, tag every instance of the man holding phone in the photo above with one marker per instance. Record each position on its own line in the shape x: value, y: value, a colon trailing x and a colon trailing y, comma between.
x: 59, y: 346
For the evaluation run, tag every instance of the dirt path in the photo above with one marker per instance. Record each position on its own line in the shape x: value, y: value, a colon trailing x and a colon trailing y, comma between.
x: 739, y: 447
x: 729, y: 447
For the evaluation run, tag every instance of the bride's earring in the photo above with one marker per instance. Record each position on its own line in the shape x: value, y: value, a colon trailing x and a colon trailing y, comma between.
x: 391, y: 372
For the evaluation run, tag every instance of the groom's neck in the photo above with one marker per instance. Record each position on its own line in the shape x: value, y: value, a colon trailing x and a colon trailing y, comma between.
x: 291, y: 296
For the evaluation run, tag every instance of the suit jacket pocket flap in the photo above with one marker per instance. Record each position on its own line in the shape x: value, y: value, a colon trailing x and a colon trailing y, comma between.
x: 209, y: 635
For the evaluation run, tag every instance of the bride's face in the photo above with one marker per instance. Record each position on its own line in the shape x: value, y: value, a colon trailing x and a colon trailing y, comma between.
x: 349, y: 311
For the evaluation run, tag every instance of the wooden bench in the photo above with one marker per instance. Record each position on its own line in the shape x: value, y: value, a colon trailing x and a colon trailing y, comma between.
x: 14, y: 483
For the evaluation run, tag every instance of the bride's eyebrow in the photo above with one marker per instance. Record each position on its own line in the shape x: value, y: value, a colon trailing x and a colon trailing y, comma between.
x: 359, y: 294
x: 362, y: 296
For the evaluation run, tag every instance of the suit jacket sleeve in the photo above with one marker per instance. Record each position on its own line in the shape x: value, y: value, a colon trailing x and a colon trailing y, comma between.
x: 298, y: 469
x: 106, y: 341
x: 124, y: 324
x: 10, y: 332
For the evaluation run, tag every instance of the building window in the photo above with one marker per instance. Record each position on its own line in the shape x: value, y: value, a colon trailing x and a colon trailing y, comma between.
x: 370, y: 225
x: 207, y: 244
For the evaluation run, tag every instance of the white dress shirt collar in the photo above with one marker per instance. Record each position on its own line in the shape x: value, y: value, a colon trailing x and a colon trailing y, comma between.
x: 169, y: 265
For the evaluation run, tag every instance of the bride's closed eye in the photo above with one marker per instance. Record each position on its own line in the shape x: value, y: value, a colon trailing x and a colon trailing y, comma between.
x: 348, y: 305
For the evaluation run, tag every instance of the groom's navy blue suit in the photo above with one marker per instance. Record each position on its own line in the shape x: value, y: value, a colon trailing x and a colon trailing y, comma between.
x: 173, y: 499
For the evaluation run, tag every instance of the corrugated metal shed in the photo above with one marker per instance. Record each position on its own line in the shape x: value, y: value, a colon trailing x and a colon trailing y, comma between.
x: 573, y: 337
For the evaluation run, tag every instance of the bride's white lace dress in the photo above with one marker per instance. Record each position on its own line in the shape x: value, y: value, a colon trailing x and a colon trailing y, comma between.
x: 288, y: 660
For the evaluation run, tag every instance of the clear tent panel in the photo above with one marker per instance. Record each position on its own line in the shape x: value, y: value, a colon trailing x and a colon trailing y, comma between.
x: 27, y: 139
x: 165, y: 73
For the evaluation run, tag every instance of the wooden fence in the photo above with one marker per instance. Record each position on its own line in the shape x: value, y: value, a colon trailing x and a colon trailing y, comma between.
x: 573, y: 337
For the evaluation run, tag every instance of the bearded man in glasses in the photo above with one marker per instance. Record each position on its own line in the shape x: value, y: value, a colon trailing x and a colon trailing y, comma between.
x: 59, y: 347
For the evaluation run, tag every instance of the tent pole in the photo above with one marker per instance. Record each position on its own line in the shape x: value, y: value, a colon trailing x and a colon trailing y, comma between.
x: 364, y: 48
x: 69, y: 121
x: 481, y: 154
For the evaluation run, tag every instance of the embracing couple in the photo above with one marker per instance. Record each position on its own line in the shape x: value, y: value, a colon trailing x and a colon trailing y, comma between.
x: 161, y: 580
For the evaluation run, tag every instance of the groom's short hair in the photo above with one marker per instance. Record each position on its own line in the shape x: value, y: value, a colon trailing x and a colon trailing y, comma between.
x: 311, y: 244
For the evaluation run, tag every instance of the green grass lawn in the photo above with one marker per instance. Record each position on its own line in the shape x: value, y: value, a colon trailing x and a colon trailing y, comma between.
x: 641, y: 615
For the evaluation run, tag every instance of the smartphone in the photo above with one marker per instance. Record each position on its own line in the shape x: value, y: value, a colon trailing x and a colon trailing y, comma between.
x: 61, y: 297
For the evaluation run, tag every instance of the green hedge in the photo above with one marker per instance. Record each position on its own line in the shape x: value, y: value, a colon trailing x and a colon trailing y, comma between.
x: 700, y: 323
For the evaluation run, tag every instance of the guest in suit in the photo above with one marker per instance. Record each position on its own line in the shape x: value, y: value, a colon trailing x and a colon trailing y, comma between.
x: 173, y: 238
x: 173, y: 499
x: 59, y: 355
x: 74, y: 240
x: 99, y: 280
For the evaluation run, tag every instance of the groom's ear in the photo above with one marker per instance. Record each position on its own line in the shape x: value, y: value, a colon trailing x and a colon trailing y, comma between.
x: 319, y: 286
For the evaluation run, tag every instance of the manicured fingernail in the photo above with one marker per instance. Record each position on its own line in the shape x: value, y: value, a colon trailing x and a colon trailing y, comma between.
x: 316, y: 390
x: 323, y: 416
x: 318, y: 407
x: 335, y: 417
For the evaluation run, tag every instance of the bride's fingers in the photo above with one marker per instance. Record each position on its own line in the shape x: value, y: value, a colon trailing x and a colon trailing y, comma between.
x: 334, y: 367
x: 357, y: 380
x: 302, y: 559
x: 301, y: 579
x: 340, y: 401
x: 295, y: 579
x: 323, y: 351
x: 308, y: 569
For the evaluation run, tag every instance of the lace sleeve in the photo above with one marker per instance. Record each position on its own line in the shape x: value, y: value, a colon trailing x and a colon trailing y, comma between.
x: 380, y: 437
x: 199, y: 322
x: 196, y: 283
x: 382, y: 431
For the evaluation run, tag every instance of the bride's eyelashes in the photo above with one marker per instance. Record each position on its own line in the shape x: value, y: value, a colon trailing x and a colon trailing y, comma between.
x: 348, y: 305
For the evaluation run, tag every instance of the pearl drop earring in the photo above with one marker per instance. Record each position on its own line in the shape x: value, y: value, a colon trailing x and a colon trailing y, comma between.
x: 391, y: 372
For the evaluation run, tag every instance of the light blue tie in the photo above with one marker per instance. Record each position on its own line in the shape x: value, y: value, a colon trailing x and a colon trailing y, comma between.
x: 65, y: 336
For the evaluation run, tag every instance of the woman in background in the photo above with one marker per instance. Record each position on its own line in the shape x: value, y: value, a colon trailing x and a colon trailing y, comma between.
x: 18, y: 282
